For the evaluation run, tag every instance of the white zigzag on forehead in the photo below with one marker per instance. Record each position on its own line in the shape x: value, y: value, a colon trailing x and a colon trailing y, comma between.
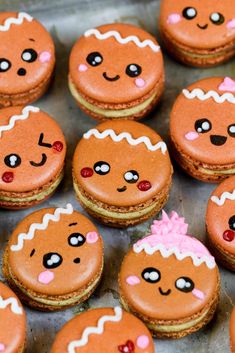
x: 125, y: 135
x: 225, y: 196
x: 98, y: 330
x: 121, y: 40
x: 15, y: 308
x: 41, y: 226
x: 16, y: 21
x: 202, y: 96
x: 150, y: 250
x: 25, y: 114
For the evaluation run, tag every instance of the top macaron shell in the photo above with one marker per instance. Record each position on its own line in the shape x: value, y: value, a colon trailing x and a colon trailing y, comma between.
x: 199, y: 24
x: 27, y: 53
x: 32, y: 148
x: 202, y: 124
x: 109, y: 78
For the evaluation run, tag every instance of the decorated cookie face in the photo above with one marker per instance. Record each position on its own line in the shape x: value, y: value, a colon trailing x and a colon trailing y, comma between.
x: 32, y: 149
x: 116, y: 63
x: 122, y: 164
x: 197, y: 24
x: 27, y: 53
x: 203, y: 121
x: 220, y: 217
x: 101, y: 329
x: 52, y: 243
x: 12, y: 336
x: 168, y: 275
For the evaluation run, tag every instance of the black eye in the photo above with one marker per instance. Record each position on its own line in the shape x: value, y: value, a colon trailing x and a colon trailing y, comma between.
x: 94, y: 59
x: 151, y: 275
x: 217, y: 18
x: 184, y: 284
x: 4, y: 65
x: 12, y: 160
x: 231, y: 222
x: 231, y: 130
x: 29, y: 55
x: 76, y: 239
x: 52, y: 260
x: 133, y: 70
x: 189, y: 13
x: 131, y: 176
x: 101, y: 168
x: 202, y: 126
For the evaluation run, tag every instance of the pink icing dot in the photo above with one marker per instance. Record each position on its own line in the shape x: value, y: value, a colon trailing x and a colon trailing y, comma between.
x: 139, y: 82
x: 2, y: 347
x: 231, y: 24
x: 142, y: 341
x: 192, y: 135
x: 198, y: 294
x: 46, y: 277
x: 92, y: 237
x: 82, y: 68
x: 173, y: 18
x: 132, y: 280
x: 45, y: 56
x: 228, y: 85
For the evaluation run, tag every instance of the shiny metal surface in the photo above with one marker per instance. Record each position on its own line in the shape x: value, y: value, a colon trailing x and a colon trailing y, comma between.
x: 66, y: 20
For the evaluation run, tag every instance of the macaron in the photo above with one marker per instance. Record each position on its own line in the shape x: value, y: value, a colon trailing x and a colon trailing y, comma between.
x: 232, y: 331
x: 32, y: 154
x: 12, y: 322
x: 202, y: 129
x: 54, y: 258
x: 170, y: 280
x: 116, y: 71
x: 121, y: 172
x: 198, y: 33
x: 220, y: 222
x: 104, y: 330
x: 27, y: 59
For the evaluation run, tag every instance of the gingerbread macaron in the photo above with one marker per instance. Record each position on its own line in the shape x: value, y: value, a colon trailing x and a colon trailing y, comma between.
x: 232, y: 331
x: 202, y: 129
x: 104, y: 330
x: 220, y: 222
x: 62, y: 256
x: 170, y: 280
x: 116, y: 71
x: 27, y: 59
x: 12, y: 322
x: 122, y: 172
x: 199, y: 33
x: 32, y: 154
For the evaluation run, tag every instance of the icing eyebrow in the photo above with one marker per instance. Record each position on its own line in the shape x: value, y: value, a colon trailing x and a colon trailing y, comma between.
x: 32, y: 253
x: 32, y: 40
x: 41, y: 143
x: 73, y: 224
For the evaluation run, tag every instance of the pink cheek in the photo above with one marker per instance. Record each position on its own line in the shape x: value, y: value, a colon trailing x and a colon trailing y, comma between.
x: 86, y: 172
x: 45, y: 57
x: 92, y: 237
x: 144, y: 185
x: 57, y: 146
x: 198, y: 294
x: 173, y: 18
x: 191, y: 135
x: 2, y: 347
x: 46, y: 277
x: 231, y: 24
x: 82, y: 68
x: 8, y: 177
x: 140, y: 82
x: 132, y: 280
x: 142, y: 341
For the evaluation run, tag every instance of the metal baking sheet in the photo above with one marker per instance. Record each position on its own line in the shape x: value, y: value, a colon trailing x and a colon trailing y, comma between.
x: 66, y: 20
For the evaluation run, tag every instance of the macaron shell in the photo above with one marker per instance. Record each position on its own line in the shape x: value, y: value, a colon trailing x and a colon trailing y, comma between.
x: 187, y: 33
x: 28, y: 35
x: 116, y: 57
x: 232, y: 331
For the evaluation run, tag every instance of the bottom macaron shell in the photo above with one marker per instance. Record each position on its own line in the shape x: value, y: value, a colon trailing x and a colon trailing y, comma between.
x: 109, y: 330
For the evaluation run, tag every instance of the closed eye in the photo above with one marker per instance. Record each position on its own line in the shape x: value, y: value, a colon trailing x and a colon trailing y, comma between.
x: 42, y: 143
x: 41, y: 163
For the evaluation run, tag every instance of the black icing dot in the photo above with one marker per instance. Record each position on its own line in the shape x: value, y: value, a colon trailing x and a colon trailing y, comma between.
x: 133, y: 70
x: 184, y: 284
x: 101, y: 168
x: 94, y: 59
x: 217, y: 18
x: 131, y: 176
x: 29, y: 55
x: 5, y: 65
x: 12, y: 160
x: 231, y: 130
x: 231, y: 222
x: 202, y: 126
x: 189, y: 13
x: 76, y: 239
x: 52, y: 260
x: 151, y: 275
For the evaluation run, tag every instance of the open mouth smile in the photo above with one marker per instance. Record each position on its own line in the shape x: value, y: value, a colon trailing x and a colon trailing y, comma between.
x: 122, y: 189
x: 162, y: 292
x: 115, y: 78
x: 202, y: 27
x: 218, y: 140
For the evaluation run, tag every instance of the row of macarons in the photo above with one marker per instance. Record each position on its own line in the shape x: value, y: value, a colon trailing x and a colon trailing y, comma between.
x: 168, y: 280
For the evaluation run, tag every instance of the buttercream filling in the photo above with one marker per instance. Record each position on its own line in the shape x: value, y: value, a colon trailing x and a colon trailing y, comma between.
x: 110, y: 113
x: 214, y: 172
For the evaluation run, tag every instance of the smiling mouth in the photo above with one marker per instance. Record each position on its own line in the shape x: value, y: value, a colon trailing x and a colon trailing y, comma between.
x: 115, y: 78
x: 162, y: 292
x: 122, y: 189
x: 202, y: 27
x: 218, y: 140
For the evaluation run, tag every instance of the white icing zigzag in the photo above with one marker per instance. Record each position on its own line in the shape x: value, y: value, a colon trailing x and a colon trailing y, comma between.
x: 202, y: 96
x: 41, y: 226
x: 125, y: 135
x: 16, y: 21
x: 121, y: 40
x: 210, y: 262
x: 15, y: 308
x: 225, y: 196
x: 25, y: 114
x: 98, y: 330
